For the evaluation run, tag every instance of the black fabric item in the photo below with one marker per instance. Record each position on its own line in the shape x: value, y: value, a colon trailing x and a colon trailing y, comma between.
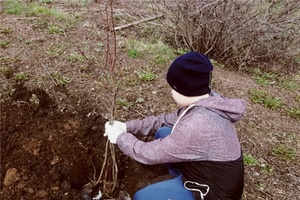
x: 190, y: 74
x: 225, y: 179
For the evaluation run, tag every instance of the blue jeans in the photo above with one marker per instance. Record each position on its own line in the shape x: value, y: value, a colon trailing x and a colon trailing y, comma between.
x: 172, y: 189
x: 162, y: 133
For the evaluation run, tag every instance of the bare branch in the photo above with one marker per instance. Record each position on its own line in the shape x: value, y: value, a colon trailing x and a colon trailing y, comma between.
x: 137, y: 22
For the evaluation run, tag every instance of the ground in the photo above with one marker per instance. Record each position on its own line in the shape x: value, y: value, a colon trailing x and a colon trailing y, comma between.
x: 55, y: 152
x: 52, y: 141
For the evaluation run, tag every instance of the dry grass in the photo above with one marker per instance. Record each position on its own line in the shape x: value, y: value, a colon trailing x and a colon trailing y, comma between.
x: 53, y: 62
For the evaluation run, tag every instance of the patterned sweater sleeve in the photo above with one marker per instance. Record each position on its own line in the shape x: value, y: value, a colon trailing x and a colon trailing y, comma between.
x: 173, y: 148
x: 149, y: 153
x: 151, y: 124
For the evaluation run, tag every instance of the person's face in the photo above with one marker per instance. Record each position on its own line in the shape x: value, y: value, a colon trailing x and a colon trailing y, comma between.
x: 179, y: 99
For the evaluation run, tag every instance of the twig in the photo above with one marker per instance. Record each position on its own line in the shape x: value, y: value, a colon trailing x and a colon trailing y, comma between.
x: 207, y: 5
x: 104, y: 163
x: 137, y: 22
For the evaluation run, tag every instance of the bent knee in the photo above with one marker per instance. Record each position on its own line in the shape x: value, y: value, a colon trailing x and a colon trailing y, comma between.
x: 140, y: 195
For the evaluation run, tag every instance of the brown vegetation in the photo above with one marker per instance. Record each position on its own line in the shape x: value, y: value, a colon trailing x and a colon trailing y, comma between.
x: 56, y: 90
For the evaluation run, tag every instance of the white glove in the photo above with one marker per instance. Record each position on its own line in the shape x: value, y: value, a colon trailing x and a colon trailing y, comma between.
x: 113, y: 131
x: 118, y: 124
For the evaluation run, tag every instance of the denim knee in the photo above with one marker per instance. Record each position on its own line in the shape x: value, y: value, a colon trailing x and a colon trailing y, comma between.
x: 163, y: 132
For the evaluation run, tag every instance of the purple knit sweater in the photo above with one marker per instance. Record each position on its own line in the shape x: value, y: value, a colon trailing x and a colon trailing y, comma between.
x: 204, y: 132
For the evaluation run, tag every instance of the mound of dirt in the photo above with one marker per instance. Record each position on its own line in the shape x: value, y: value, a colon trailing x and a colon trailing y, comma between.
x: 52, y: 154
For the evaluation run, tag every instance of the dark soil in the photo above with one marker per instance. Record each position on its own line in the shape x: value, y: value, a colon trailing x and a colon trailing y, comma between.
x: 57, y: 152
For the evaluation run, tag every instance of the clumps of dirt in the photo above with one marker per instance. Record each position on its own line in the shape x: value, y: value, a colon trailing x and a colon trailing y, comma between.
x: 47, y: 152
x: 51, y: 153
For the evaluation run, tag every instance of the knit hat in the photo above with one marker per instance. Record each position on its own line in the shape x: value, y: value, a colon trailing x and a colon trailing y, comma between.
x: 190, y: 74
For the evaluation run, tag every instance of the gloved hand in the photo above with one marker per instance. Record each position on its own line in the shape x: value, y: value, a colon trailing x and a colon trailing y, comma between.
x: 118, y: 124
x: 113, y: 131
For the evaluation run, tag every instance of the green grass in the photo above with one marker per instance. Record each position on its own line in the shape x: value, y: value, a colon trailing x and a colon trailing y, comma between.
x: 21, y: 77
x: 157, y: 53
x: 267, y: 169
x: 6, y: 90
x: 38, y: 10
x: 260, y: 186
x: 55, y: 29
x: 133, y: 53
x: 60, y: 79
x: 123, y: 102
x: 100, y: 46
x: 249, y: 160
x: 163, y: 54
x: 34, y: 100
x: 4, y: 44
x: 291, y: 82
x: 75, y: 57
x: 5, y: 70
x: 290, y: 85
x: 146, y: 75
x: 56, y: 49
x: 16, y: 7
x: 6, y: 30
x: 45, y: 1
x: 294, y: 112
x: 264, y: 78
x: 181, y: 51
x: 284, y: 152
x: 263, y: 98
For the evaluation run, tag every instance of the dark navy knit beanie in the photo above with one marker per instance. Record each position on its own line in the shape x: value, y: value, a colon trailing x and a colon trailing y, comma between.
x: 190, y: 74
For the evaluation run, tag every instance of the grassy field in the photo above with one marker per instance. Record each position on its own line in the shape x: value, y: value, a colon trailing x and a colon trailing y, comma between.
x: 55, y: 97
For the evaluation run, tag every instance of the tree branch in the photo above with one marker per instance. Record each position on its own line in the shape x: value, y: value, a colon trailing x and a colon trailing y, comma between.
x: 137, y: 22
